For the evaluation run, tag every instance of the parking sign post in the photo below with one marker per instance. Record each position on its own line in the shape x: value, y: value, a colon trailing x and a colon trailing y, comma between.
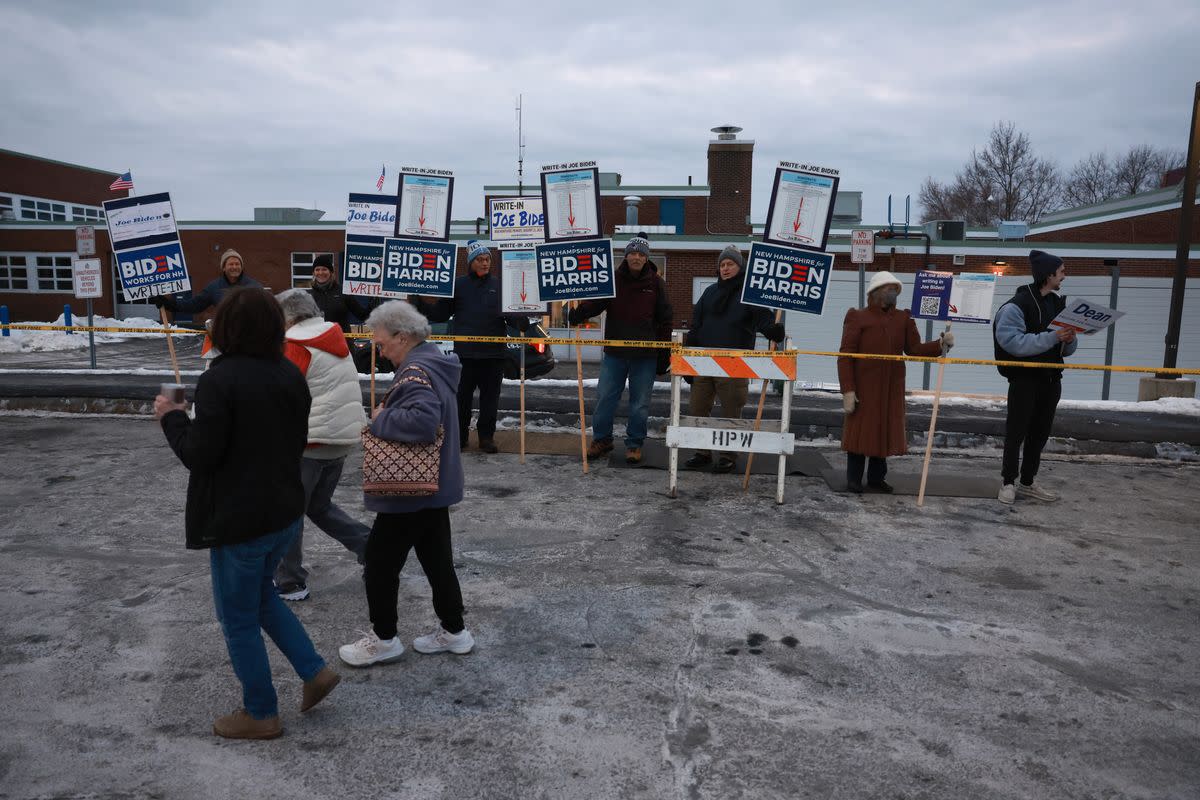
x: 862, y: 252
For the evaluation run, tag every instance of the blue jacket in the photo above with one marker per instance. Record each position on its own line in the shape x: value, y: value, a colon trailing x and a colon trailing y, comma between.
x: 412, y: 413
x: 476, y: 310
x: 210, y: 295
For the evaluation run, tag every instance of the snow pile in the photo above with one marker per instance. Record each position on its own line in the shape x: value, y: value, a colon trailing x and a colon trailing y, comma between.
x: 51, y: 341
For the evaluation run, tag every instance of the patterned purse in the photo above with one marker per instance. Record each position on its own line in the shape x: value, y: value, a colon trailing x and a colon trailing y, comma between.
x: 402, y: 469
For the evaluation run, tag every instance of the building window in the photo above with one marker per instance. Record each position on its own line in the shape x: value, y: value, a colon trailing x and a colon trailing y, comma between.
x: 54, y: 274
x: 14, y: 274
x: 6, y: 207
x: 86, y: 214
x: 302, y: 268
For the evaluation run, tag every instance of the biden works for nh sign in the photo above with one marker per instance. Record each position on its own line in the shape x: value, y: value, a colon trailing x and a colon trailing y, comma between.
x: 787, y: 278
x: 152, y: 271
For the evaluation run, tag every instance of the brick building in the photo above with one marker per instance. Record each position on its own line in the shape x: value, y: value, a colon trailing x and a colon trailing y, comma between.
x: 41, y: 202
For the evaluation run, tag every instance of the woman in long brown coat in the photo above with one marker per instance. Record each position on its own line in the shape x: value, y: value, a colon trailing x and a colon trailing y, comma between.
x: 873, y: 389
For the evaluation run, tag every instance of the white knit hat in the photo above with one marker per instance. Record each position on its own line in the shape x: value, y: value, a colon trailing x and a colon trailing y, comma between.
x: 883, y: 278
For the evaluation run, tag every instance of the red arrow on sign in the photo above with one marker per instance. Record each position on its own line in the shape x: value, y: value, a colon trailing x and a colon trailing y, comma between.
x: 796, y: 224
x: 570, y: 210
x: 421, y: 219
x: 522, y: 287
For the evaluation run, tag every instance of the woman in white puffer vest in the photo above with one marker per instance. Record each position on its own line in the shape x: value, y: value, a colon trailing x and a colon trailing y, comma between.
x: 318, y: 348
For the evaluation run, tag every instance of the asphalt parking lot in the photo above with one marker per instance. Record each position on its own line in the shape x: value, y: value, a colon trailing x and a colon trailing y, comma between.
x: 630, y: 645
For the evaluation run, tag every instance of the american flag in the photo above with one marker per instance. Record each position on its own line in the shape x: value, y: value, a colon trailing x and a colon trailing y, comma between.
x: 123, y: 182
x: 379, y: 183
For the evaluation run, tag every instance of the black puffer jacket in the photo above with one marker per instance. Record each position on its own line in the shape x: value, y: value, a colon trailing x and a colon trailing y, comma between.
x: 335, y: 306
x: 720, y: 319
x: 243, y: 449
x: 475, y: 308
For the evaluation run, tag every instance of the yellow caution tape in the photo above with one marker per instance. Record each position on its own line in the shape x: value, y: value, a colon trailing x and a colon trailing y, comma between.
x: 982, y: 362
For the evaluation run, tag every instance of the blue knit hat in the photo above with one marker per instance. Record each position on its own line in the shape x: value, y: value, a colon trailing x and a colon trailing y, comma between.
x: 638, y: 244
x: 1043, y: 265
x: 475, y: 249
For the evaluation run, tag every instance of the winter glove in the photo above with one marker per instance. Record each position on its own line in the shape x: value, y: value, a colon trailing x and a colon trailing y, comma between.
x: 157, y: 301
x: 775, y: 332
x: 662, y: 362
x: 574, y: 317
x: 849, y: 402
x: 947, y: 342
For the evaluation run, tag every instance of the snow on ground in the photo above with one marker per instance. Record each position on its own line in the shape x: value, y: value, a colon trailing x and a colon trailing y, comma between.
x: 20, y: 341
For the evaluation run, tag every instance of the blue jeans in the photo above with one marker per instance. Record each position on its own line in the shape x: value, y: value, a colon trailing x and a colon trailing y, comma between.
x: 614, y: 372
x: 245, y: 599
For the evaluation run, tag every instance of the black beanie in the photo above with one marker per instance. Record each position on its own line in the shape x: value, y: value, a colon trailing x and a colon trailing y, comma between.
x: 1043, y: 265
x: 323, y: 260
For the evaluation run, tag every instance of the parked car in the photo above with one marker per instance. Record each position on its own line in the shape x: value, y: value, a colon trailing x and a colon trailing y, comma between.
x: 539, y: 358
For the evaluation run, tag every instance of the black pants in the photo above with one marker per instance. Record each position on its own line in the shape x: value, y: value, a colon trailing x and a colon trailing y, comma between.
x: 1031, y: 407
x: 486, y: 375
x: 876, y: 468
x: 392, y: 536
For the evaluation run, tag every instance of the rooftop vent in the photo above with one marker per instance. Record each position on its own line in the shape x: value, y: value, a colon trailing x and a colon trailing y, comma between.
x: 726, y: 133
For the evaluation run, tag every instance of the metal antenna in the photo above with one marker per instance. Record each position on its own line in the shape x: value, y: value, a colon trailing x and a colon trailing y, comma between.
x: 520, y: 151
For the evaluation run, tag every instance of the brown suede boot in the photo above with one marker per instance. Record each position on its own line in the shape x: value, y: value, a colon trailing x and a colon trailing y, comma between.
x: 316, y: 689
x: 240, y: 725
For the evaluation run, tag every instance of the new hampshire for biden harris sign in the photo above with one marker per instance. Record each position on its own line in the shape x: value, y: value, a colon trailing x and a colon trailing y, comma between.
x: 416, y: 266
x: 787, y: 278
x: 576, y: 270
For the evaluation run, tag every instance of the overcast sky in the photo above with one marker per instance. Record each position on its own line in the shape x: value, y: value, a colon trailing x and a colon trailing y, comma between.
x: 298, y: 103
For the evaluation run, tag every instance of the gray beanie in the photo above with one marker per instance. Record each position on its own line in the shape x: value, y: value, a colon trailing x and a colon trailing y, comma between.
x: 638, y: 244
x: 733, y: 254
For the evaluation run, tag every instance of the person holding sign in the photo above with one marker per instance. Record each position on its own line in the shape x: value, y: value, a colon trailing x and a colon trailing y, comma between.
x: 639, y: 312
x: 232, y: 275
x: 475, y: 308
x: 720, y: 320
x: 873, y: 389
x: 319, y: 351
x: 245, y: 500
x: 335, y: 306
x: 1021, y: 332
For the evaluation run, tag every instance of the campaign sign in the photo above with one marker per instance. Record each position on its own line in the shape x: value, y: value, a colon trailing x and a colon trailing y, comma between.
x: 576, y: 270
x: 787, y: 278
x: 516, y: 222
x: 371, y: 215
x: 931, y: 295
x: 571, y: 200
x: 363, y: 270
x: 413, y: 266
x: 152, y: 271
x: 801, y: 207
x: 132, y: 219
x: 1084, y: 316
x: 971, y: 297
x: 519, y: 284
x: 423, y: 209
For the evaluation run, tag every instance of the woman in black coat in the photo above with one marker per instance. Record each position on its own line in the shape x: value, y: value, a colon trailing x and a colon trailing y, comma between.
x: 245, y: 501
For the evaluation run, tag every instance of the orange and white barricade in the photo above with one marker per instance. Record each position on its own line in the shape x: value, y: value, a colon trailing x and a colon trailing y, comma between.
x: 740, y: 435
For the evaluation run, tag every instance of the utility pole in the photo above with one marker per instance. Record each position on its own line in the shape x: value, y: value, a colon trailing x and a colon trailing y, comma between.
x: 520, y: 152
x: 1187, y: 210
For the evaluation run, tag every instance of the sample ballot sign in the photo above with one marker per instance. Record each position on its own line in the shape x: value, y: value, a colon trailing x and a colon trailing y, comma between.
x: 424, y: 201
x: 801, y: 208
x: 571, y: 199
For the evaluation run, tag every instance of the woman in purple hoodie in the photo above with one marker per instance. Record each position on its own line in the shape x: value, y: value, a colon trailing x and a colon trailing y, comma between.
x: 422, y: 399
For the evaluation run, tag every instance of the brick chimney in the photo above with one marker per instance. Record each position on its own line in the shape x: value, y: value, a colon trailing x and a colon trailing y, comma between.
x: 730, y: 165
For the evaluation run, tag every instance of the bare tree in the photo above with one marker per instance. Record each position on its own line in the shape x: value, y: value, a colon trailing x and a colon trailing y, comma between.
x: 1003, y: 181
x: 1141, y: 168
x: 1091, y: 181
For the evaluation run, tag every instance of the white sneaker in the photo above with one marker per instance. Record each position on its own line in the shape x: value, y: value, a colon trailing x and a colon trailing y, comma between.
x: 295, y: 595
x: 370, y: 649
x: 1008, y: 494
x: 1036, y: 492
x: 442, y: 641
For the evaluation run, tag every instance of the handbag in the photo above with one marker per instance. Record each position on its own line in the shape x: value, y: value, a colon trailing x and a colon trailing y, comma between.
x: 402, y: 469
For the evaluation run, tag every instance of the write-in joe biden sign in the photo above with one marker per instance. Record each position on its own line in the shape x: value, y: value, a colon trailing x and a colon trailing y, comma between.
x: 576, y: 270
x: 145, y: 242
x: 787, y: 278
x: 415, y: 266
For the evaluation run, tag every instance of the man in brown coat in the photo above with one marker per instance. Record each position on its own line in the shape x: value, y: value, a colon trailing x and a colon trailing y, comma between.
x: 873, y: 389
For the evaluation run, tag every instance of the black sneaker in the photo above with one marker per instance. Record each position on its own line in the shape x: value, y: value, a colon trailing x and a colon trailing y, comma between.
x: 854, y: 486
x: 880, y: 487
x: 488, y: 446
x: 698, y: 461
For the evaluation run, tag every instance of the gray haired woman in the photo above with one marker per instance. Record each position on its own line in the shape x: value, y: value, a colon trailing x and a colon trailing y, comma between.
x: 422, y: 400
